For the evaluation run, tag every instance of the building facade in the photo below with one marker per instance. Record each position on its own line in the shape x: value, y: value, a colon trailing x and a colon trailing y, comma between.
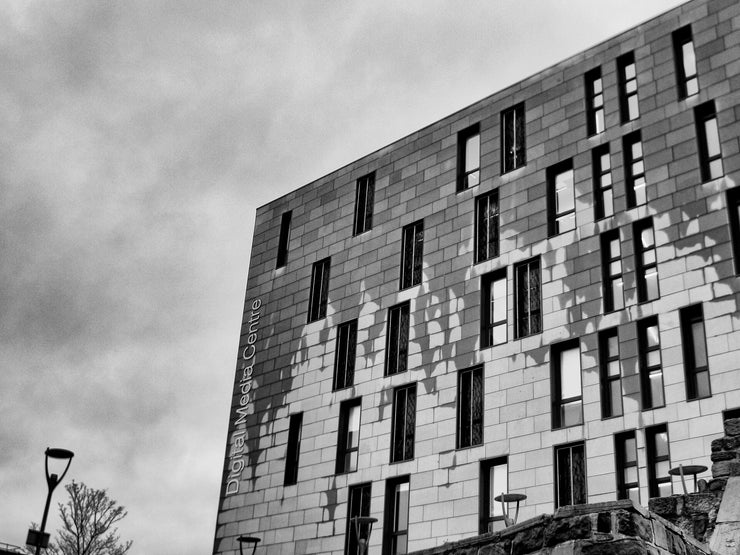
x: 537, y: 294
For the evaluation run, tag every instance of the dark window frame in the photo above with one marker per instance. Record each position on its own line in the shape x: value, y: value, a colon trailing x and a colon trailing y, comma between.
x: 392, y: 533
x: 293, y: 449
x: 559, y: 402
x: 594, y: 102
x: 284, y: 239
x: 486, y: 226
x: 318, y: 298
x: 645, y: 261
x: 359, y: 499
x: 573, y: 474
x: 624, y: 83
x: 694, y: 373
x: 364, y: 204
x: 682, y: 37
x: 465, y: 176
x: 733, y: 208
x: 603, y: 182
x: 344, y: 355
x: 412, y: 254
x: 653, y: 459
x: 403, y: 427
x: 634, y: 170
x: 488, y: 324
x: 527, y: 319
x: 487, y: 521
x: 623, y: 465
x: 609, y: 382
x: 513, y: 138
x: 344, y: 447
x: 554, y: 216
x: 703, y: 114
x: 397, y: 338
x: 470, y: 407
x: 648, y: 371
x: 612, y: 270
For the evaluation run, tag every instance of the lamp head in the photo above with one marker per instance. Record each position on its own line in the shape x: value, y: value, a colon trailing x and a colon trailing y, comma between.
x: 249, y: 540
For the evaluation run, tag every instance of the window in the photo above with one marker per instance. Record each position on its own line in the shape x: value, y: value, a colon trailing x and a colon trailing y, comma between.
x: 348, y: 442
x: 561, y: 198
x: 730, y: 413
x: 344, y: 356
x: 319, y: 290
x: 707, y: 133
x: 294, y: 449
x: 468, y: 157
x: 594, y: 102
x: 397, y: 341
x: 627, y: 81
x: 513, y: 139
x: 494, y: 480
x: 411, y: 257
x: 683, y: 52
x: 570, y: 475
x: 358, y: 504
x: 733, y: 206
x: 611, y: 270
x: 486, y: 226
x: 404, y: 423
x: 470, y: 407
x: 282, y: 254
x: 651, y: 368
x: 567, y: 395
x: 603, y: 186
x: 695, y: 362
x: 634, y: 170
x: 396, y: 526
x: 659, y: 461
x: 364, y: 198
x: 493, y: 309
x: 625, y: 449
x: 528, y: 314
x: 610, y: 369
x: 646, y: 263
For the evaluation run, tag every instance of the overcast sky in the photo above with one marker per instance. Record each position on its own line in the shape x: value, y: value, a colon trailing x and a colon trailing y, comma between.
x: 137, y: 138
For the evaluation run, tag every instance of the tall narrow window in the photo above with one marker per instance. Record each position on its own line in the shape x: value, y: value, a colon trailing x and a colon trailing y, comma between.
x: 594, y: 102
x: 468, y: 157
x: 513, y: 139
x: 358, y: 504
x: 634, y: 170
x: 707, y: 133
x: 659, y: 461
x: 625, y: 449
x: 570, y: 475
x: 528, y: 313
x: 486, y: 226
x: 404, y: 423
x: 282, y: 253
x: 627, y: 82
x: 651, y: 367
x: 561, y: 198
x: 348, y: 442
x: 413, y: 252
x: 603, y: 186
x: 494, y: 480
x: 364, y: 199
x: 397, y: 341
x: 567, y: 394
x: 733, y: 207
x: 493, y: 308
x: 610, y: 369
x: 611, y: 270
x: 319, y: 294
x: 646, y: 267
x: 470, y: 407
x: 695, y: 361
x: 344, y: 356
x: 396, y: 526
x: 294, y: 449
x: 683, y: 52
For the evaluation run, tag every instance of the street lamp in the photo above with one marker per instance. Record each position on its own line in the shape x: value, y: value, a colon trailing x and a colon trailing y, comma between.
x: 250, y: 540
x: 39, y: 538
x: 362, y: 524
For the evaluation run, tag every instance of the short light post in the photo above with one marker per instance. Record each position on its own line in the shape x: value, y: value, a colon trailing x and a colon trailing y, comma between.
x: 39, y: 538
x: 363, y: 526
x: 250, y: 540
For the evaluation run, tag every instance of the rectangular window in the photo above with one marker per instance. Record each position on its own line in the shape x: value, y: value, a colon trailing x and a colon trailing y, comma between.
x: 396, y: 526
x: 513, y: 139
x: 611, y: 271
x: 594, y: 102
x: 404, y: 423
x: 707, y: 133
x: 494, y: 480
x: 634, y: 170
x: 627, y: 82
x: 413, y: 252
x: 570, y: 475
x: 683, y: 53
x: 695, y: 361
x: 625, y: 449
x: 730, y: 413
x: 470, y: 407
x: 659, y: 461
x: 603, y: 186
x: 493, y: 308
x: 364, y: 199
x: 528, y: 314
x: 348, y: 442
x: 282, y: 253
x: 567, y: 394
x: 651, y: 367
x: 610, y: 370
x: 561, y: 198
x: 294, y: 449
x: 344, y: 356
x: 397, y: 341
x: 646, y: 262
x: 486, y: 226
x: 319, y: 294
x: 468, y: 157
x: 733, y: 206
x: 358, y: 504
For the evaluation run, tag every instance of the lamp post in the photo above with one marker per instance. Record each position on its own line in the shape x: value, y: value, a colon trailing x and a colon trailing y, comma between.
x: 249, y: 540
x: 39, y: 538
x: 365, y: 522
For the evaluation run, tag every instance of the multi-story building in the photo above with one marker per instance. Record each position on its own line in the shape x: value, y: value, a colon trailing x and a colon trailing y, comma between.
x: 537, y: 294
